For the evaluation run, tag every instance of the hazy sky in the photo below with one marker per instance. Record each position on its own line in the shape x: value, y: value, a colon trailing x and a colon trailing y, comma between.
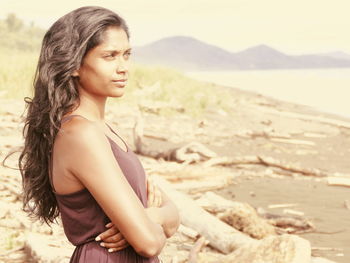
x: 292, y: 26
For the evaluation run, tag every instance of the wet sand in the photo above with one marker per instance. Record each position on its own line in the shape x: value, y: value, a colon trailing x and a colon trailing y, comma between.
x: 322, y: 204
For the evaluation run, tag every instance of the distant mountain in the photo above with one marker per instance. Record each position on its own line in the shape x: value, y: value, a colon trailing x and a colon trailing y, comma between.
x: 337, y: 54
x: 185, y: 53
x: 190, y: 54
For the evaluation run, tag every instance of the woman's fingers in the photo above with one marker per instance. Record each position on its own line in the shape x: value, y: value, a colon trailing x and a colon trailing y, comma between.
x: 110, y: 224
x: 108, y: 233
x: 117, y: 249
x: 153, y: 193
x: 150, y: 192
x: 114, y: 239
x: 159, y: 197
x: 115, y: 245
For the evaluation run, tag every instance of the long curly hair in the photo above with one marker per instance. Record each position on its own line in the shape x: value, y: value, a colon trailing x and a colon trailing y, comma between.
x: 55, y: 94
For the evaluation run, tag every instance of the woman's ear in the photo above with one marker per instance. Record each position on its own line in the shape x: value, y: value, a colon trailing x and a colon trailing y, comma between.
x: 75, y: 73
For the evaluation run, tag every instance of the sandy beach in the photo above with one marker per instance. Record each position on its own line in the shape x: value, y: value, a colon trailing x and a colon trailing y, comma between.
x: 254, y: 125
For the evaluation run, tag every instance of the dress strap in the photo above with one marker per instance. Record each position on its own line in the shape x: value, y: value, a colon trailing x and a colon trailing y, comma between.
x: 125, y: 144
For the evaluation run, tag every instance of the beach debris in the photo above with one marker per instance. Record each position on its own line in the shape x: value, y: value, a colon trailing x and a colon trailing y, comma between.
x: 252, y: 194
x: 293, y: 141
x: 37, y: 246
x: 281, y: 206
x: 187, y: 231
x: 293, y: 212
x: 192, y: 152
x: 193, y: 187
x: 338, y: 181
x: 347, y: 204
x: 241, y: 216
x: 175, y: 172
x: 237, y: 246
x: 273, y: 249
x: 266, y: 133
x: 321, y: 260
x: 197, y: 247
x: 314, y: 135
x: 326, y: 249
x: 293, y: 224
x: 266, y: 161
x: 221, y: 236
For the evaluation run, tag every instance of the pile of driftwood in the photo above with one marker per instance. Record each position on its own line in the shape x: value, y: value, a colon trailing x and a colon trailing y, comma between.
x: 220, y: 230
x: 237, y: 230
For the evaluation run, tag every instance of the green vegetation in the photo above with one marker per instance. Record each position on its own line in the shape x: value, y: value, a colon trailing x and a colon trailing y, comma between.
x: 18, y: 36
x: 19, y: 52
x: 17, y: 70
x: 19, y: 48
x: 160, y: 84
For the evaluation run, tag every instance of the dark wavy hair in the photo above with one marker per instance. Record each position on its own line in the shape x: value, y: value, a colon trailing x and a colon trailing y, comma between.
x: 55, y: 94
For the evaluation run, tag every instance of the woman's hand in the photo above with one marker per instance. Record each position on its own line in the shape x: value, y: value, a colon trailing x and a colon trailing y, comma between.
x: 112, y: 239
x: 154, y: 196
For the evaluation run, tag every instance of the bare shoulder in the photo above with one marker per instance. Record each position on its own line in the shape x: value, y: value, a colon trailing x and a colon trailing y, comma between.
x: 80, y: 140
x: 79, y: 130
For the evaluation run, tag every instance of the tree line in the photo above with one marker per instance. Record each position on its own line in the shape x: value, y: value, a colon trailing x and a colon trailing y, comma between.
x: 18, y: 36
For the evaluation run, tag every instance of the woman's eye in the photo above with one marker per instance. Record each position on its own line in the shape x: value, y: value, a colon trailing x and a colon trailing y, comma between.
x: 127, y: 54
x: 109, y: 56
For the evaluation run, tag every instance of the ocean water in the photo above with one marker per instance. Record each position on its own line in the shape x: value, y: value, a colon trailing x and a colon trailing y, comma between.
x: 326, y: 90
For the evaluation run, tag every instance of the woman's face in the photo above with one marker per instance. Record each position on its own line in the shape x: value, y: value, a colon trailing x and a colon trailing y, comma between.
x: 104, y: 71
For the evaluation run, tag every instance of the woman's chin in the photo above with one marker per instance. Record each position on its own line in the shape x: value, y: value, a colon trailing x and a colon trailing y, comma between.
x: 118, y: 94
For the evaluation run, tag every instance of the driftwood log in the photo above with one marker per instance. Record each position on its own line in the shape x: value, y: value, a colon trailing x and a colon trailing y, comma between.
x: 291, y: 224
x: 220, y: 235
x: 197, y: 247
x: 239, y: 247
x: 190, y: 153
x: 266, y: 161
x: 193, y: 152
x: 339, y: 181
x: 273, y: 249
x: 241, y: 216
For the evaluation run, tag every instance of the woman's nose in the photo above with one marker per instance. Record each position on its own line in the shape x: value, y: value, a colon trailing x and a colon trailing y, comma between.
x: 122, y: 65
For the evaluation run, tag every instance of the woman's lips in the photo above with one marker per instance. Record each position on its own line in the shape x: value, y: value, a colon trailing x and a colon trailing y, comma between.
x: 120, y: 82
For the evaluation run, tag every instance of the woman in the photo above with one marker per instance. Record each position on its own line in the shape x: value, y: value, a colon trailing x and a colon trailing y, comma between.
x: 73, y: 163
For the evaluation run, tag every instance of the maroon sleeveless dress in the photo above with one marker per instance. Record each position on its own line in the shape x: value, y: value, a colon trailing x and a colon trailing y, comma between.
x: 83, y: 219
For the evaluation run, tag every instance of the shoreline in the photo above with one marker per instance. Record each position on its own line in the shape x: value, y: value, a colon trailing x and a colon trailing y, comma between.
x: 321, y: 86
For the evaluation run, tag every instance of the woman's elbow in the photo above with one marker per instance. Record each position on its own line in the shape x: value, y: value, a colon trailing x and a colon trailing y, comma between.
x: 171, y: 231
x: 152, y: 247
